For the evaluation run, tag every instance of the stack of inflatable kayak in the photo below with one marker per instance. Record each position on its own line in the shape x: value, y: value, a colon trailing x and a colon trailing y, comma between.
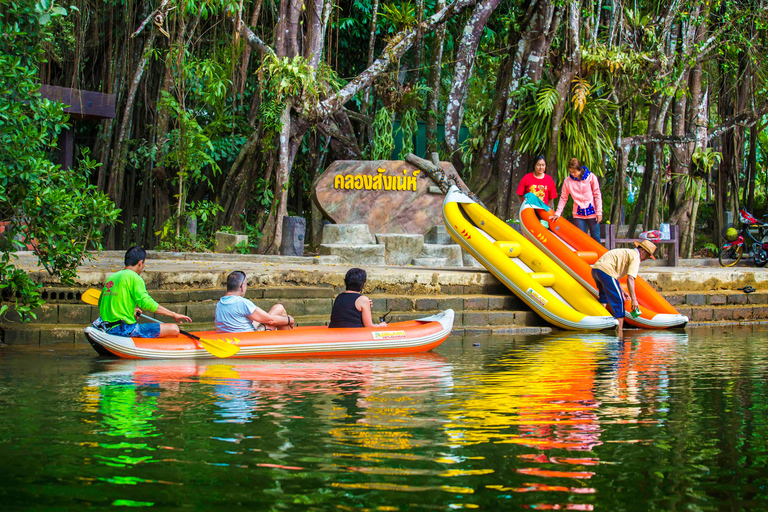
x: 576, y: 252
x: 409, y: 337
x: 524, y: 269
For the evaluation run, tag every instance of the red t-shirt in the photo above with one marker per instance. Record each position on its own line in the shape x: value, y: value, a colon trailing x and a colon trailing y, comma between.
x: 543, y: 188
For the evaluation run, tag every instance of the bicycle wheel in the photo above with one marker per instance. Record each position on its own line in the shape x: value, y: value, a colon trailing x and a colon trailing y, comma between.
x: 730, y: 255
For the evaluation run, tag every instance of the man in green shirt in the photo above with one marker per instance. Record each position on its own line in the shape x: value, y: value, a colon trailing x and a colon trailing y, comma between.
x: 125, y: 297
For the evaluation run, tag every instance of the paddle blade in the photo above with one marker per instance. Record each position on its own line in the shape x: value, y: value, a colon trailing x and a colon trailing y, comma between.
x: 91, y: 296
x: 219, y: 348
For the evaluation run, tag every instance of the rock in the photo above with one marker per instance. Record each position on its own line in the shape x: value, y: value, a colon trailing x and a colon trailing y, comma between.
x: 400, y: 249
x: 346, y: 192
x: 353, y: 234
x: 292, y: 243
x: 226, y: 242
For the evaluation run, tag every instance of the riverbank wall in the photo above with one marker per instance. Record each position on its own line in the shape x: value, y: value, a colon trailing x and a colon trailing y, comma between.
x: 193, y: 283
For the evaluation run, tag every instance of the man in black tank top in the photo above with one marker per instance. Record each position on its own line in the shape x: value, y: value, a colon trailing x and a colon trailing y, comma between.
x: 351, y: 308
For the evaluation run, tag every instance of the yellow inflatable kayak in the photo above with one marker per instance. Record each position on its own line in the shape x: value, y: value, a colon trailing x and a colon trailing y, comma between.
x: 522, y: 267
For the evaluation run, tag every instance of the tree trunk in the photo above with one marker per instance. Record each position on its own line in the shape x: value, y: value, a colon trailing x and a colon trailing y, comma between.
x: 571, y: 65
x: 371, y: 52
x: 117, y: 171
x: 465, y: 61
x: 433, y: 95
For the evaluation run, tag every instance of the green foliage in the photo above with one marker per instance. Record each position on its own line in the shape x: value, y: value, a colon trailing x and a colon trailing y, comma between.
x: 400, y: 16
x: 705, y: 159
x: 583, y: 131
x: 408, y: 126
x: 56, y: 212
x: 383, y: 142
x: 182, y: 240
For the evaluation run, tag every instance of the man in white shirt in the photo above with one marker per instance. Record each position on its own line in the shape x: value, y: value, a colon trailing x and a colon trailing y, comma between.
x: 612, y: 266
x: 235, y: 313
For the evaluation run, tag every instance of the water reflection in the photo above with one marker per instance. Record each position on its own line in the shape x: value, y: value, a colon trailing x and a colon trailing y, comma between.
x: 664, y: 420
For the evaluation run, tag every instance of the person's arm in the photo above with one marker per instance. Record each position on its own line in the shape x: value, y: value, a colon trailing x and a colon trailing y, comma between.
x: 561, y: 204
x: 363, y: 305
x: 632, y: 296
x: 261, y: 316
x: 145, y: 302
x: 521, y: 189
x: 598, y: 197
x: 176, y: 316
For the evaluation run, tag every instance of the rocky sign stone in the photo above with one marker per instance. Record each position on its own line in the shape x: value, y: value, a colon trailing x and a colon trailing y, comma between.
x: 390, y: 196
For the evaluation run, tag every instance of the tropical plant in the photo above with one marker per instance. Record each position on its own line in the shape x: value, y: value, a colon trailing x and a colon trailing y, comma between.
x: 584, y: 130
x: 383, y: 142
x: 408, y: 127
x: 54, y: 211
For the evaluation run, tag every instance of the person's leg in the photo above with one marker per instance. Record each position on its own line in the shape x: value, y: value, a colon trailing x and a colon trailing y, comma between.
x: 166, y: 330
x: 601, y: 297
x: 141, y: 330
x: 581, y: 224
x: 594, y: 228
x: 278, y: 309
x: 612, y: 291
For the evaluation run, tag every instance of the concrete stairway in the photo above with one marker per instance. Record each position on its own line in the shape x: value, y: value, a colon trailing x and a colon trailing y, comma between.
x: 353, y: 244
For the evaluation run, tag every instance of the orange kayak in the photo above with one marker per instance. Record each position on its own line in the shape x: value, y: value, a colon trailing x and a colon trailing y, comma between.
x: 576, y: 252
x: 419, y: 335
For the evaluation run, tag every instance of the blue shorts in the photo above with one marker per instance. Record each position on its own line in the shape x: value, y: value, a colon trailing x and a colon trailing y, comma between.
x: 609, y: 292
x: 136, y: 330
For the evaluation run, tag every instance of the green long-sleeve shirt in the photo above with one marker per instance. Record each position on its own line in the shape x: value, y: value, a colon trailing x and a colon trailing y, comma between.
x: 122, y: 293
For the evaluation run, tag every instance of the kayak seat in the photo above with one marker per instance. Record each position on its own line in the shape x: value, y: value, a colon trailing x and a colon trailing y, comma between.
x: 511, y: 249
x: 545, y: 279
x: 589, y: 257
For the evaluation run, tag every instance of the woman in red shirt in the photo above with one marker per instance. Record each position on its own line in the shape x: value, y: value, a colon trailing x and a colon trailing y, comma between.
x: 538, y: 182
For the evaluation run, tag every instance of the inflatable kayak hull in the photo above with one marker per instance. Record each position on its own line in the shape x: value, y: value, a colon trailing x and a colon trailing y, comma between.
x: 521, y: 267
x: 409, y: 337
x: 576, y: 252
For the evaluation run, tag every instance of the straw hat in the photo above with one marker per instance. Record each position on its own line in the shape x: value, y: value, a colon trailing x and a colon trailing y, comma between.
x: 648, y: 246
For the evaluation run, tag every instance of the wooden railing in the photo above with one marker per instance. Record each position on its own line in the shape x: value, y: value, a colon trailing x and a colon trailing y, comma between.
x: 673, y: 253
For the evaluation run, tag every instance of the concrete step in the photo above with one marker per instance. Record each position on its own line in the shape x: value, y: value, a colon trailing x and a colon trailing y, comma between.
x: 204, y: 310
x: 354, y: 234
x: 715, y: 298
x: 362, y: 255
x: 430, y: 262
x: 438, y: 235
x: 716, y: 313
x: 400, y: 249
x: 452, y: 253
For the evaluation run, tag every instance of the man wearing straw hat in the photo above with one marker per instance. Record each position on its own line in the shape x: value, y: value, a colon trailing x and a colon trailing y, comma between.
x: 612, y: 266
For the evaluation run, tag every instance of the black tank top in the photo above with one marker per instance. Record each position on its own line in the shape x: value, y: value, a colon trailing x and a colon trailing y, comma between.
x: 344, y: 312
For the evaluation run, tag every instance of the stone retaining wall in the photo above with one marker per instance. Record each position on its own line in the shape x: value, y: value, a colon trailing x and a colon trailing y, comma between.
x: 482, y: 308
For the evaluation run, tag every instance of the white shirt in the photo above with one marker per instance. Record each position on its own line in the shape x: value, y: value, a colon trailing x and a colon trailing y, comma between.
x: 232, y: 313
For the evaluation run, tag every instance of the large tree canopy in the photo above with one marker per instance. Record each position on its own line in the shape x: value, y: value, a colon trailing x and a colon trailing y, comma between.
x: 228, y: 110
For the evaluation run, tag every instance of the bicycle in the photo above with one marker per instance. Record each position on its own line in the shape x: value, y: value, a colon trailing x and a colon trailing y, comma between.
x: 733, y: 249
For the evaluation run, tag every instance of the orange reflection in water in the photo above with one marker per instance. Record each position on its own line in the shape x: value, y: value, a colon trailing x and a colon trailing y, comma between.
x: 543, y: 398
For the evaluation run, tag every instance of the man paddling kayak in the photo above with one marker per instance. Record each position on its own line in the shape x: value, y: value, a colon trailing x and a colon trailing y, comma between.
x: 125, y: 297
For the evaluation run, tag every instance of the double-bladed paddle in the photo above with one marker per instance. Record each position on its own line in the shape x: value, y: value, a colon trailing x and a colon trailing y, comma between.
x: 218, y: 348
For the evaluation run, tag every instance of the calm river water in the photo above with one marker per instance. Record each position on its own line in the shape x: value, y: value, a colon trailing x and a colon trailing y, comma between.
x: 662, y: 421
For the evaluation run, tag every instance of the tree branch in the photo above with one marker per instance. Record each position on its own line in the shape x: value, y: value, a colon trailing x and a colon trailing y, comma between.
x: 398, y: 45
x: 252, y: 39
x: 149, y: 18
